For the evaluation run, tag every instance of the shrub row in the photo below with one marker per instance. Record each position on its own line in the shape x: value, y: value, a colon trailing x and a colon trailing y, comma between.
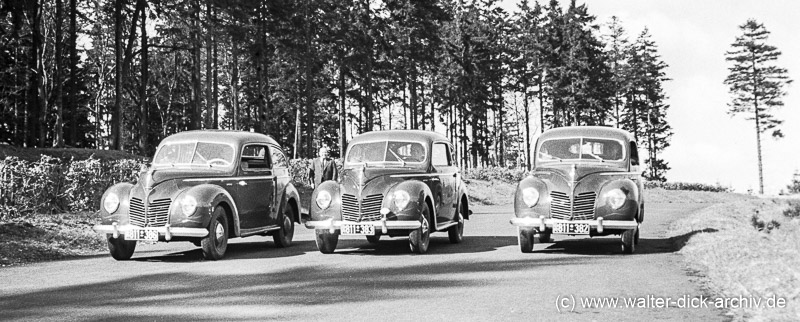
x: 686, y: 186
x: 51, y: 184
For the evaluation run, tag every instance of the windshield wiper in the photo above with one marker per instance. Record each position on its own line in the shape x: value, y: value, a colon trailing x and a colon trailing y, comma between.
x: 550, y: 156
x: 596, y: 157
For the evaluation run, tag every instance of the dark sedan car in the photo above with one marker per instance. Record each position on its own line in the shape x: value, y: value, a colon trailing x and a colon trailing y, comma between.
x: 586, y: 181
x: 204, y: 187
x: 395, y: 183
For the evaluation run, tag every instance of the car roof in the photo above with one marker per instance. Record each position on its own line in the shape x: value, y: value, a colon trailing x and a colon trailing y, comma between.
x: 237, y: 138
x: 587, y: 131
x: 400, y: 135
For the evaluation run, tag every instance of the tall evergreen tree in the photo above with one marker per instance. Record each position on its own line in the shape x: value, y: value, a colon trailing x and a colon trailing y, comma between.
x: 756, y: 83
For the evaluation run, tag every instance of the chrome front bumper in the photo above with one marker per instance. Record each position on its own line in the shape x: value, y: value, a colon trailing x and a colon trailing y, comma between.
x: 599, y: 224
x: 167, y: 231
x: 332, y: 225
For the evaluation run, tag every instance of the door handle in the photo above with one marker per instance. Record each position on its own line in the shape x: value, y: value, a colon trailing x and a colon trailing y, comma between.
x: 242, y: 183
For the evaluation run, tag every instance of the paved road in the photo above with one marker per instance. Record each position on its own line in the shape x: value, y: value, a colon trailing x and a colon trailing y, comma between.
x: 484, y: 278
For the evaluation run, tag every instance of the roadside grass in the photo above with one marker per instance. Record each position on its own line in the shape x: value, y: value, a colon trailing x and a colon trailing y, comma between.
x: 43, y: 237
x: 746, y: 247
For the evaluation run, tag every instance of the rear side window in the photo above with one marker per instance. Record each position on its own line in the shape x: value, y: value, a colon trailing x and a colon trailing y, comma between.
x: 255, y: 158
x: 440, y: 155
x: 634, y: 154
x: 278, y: 158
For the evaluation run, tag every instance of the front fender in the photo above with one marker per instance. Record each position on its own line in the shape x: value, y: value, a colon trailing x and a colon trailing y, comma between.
x: 208, y: 197
x: 334, y: 210
x: 629, y: 209
x: 463, y: 196
x: 120, y: 216
x: 418, y: 192
x: 542, y: 206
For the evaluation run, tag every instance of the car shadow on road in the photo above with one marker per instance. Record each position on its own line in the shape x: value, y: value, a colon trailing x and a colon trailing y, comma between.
x: 609, y: 245
x: 398, y: 246
x: 241, y: 250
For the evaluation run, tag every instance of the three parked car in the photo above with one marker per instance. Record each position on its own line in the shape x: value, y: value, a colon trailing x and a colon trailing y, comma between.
x: 207, y: 186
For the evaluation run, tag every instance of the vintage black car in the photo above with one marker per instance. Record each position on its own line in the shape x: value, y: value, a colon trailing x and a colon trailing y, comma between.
x: 204, y: 187
x: 586, y: 181
x: 395, y: 183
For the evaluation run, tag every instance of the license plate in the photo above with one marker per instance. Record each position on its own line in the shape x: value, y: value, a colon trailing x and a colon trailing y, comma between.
x: 142, y: 234
x: 570, y: 228
x: 358, y: 229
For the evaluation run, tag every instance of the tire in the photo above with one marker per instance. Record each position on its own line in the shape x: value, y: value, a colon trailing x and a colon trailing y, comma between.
x: 636, y: 237
x: 326, y: 242
x: 628, y: 241
x: 545, y: 237
x: 420, y: 238
x: 525, y: 240
x: 121, y: 249
x: 283, y: 237
x: 456, y: 233
x: 374, y: 239
x: 216, y: 243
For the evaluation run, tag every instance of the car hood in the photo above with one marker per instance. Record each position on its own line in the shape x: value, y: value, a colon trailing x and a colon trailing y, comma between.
x: 155, y: 177
x: 575, y: 172
x: 370, y: 181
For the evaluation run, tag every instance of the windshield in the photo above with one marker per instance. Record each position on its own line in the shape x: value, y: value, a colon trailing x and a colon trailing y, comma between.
x: 386, y: 151
x: 581, y: 149
x: 206, y: 154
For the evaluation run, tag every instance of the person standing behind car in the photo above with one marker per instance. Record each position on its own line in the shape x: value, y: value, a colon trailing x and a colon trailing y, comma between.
x: 323, y: 168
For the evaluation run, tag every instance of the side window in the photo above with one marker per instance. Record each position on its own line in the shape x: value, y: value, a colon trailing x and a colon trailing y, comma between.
x: 440, y: 155
x: 278, y: 158
x: 256, y: 158
x: 634, y: 154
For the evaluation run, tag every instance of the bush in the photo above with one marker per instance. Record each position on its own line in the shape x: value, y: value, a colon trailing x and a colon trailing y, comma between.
x: 513, y: 175
x: 686, y: 186
x: 51, y: 184
x: 793, y: 211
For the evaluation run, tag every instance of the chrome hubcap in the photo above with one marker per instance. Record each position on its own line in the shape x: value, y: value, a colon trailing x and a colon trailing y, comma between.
x: 220, y: 231
x: 424, y: 225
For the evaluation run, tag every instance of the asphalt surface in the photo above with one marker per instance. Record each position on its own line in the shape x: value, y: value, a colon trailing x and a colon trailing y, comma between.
x: 484, y: 278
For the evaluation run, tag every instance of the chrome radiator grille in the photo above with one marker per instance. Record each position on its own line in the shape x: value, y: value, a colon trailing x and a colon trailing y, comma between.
x: 581, y: 208
x: 370, y: 208
x: 157, y: 214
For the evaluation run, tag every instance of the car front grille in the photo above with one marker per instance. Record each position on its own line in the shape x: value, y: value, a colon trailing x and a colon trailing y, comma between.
x: 157, y: 213
x: 370, y: 208
x: 581, y: 208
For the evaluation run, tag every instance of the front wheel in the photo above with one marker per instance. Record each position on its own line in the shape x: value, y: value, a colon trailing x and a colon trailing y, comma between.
x: 420, y: 238
x: 326, y: 242
x: 525, y: 240
x: 216, y: 243
x: 121, y: 249
x: 283, y: 238
x: 374, y: 239
x: 544, y: 237
x: 629, y: 241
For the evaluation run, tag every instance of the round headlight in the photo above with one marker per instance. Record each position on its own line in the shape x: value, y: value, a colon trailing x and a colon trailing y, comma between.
x: 401, y: 199
x: 323, y: 199
x: 615, y: 198
x: 111, y: 203
x: 188, y: 205
x: 530, y: 196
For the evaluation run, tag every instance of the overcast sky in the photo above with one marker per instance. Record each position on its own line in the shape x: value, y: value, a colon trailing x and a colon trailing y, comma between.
x: 710, y: 146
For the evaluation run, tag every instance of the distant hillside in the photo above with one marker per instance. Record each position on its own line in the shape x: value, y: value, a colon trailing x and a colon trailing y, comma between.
x: 33, y: 154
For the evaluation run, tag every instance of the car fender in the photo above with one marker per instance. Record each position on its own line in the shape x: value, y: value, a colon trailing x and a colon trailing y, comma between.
x: 542, y: 206
x: 208, y: 197
x: 120, y: 216
x: 334, y: 210
x: 463, y: 196
x: 418, y: 192
x: 629, y: 210
x: 288, y: 196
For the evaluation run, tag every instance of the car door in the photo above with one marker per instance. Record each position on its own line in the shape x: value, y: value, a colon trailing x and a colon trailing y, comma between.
x: 446, y: 171
x: 256, y: 187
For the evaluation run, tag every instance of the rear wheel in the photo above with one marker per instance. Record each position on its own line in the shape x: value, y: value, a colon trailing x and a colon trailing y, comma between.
x: 525, y: 239
x: 121, y: 249
x: 326, y: 241
x: 456, y: 233
x: 420, y: 238
x: 216, y: 243
x: 283, y: 237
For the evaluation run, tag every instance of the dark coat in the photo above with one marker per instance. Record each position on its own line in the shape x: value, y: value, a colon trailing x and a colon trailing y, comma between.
x: 323, y: 170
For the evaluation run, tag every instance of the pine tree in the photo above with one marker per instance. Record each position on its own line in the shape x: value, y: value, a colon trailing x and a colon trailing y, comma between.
x: 794, y: 187
x: 756, y: 83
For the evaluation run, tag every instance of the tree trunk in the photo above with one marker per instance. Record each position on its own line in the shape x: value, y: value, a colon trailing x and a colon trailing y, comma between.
x: 209, y: 121
x: 197, y: 97
x: 235, y: 84
x: 342, y: 110
x: 72, y: 87
x: 58, y: 84
x: 33, y: 121
x: 144, y: 112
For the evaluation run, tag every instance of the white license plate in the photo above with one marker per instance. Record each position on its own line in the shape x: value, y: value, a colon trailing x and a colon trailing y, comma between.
x: 358, y: 229
x: 571, y: 228
x: 148, y: 234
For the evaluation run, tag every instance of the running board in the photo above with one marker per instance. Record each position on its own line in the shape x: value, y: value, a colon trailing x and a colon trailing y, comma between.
x: 257, y: 231
x: 445, y: 226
